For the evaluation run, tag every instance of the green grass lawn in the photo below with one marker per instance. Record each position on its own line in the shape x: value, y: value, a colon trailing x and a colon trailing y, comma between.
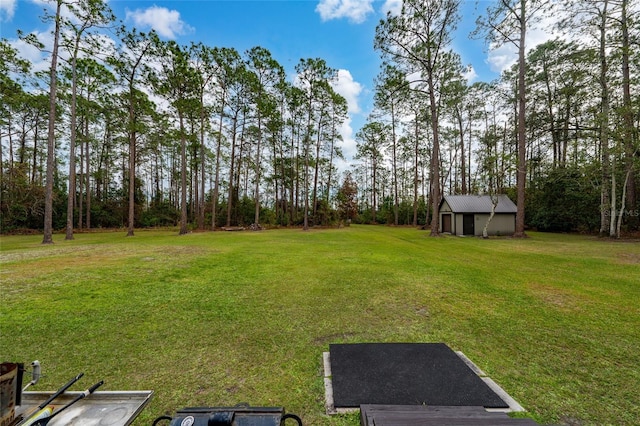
x: 228, y: 317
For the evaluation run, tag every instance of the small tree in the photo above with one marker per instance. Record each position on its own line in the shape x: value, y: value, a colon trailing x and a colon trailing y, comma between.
x: 347, y: 198
x: 490, y: 169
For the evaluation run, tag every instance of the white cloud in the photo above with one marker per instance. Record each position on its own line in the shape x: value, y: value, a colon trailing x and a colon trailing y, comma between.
x: 349, y: 89
x: 470, y: 75
x: 39, y: 61
x: 502, y: 58
x: 354, y: 10
x: 349, y: 145
x: 7, y: 10
x: 392, y: 6
x: 167, y: 23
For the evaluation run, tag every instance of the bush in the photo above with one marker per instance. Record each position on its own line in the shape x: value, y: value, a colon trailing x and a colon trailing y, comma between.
x: 564, y: 201
x: 160, y: 213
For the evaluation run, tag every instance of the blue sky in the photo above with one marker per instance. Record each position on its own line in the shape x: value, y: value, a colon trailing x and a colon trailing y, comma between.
x: 339, y: 31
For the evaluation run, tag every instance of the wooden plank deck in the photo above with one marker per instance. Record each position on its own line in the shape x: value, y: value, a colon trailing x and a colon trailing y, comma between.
x: 423, y: 415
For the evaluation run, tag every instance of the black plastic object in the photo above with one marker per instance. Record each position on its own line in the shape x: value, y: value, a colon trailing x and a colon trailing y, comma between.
x: 19, y: 379
x: 232, y: 416
x: 406, y: 374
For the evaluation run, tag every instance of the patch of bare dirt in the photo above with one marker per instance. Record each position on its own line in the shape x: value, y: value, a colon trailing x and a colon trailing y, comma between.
x: 553, y: 296
x: 628, y: 258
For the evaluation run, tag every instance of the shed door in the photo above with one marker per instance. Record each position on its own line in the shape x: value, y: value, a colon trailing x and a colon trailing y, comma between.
x: 467, y: 224
x: 446, y: 223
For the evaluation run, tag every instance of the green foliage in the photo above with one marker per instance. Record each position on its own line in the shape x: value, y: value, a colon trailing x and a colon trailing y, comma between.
x: 245, y: 211
x: 364, y: 216
x: 565, y: 200
x: 22, y: 205
x: 405, y: 212
x: 324, y: 214
x: 160, y: 213
x: 108, y: 214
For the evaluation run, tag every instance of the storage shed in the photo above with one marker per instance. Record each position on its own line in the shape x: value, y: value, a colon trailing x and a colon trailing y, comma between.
x: 467, y: 215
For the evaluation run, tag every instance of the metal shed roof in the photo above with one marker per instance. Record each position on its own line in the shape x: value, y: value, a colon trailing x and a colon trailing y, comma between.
x: 478, y: 204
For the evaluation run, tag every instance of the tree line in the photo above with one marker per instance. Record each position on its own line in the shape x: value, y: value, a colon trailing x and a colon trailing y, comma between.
x: 558, y: 131
x: 156, y: 133
x: 130, y: 130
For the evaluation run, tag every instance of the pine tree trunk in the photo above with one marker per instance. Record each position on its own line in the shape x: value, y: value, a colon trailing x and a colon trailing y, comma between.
x: 256, y: 219
x: 216, y: 181
x: 435, y: 161
x: 605, y: 200
x: 87, y: 176
x: 71, y: 195
x: 521, y: 175
x: 628, y: 112
x: 132, y: 165
x: 183, y: 177
x: 51, y: 138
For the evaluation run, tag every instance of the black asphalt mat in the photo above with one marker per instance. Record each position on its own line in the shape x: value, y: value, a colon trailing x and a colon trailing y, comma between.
x: 405, y: 374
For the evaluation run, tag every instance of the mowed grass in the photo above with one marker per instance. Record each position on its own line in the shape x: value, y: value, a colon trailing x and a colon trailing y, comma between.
x: 211, y: 319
